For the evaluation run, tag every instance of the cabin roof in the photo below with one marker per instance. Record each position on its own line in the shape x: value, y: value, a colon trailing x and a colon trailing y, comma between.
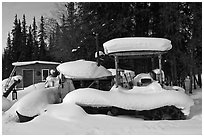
x: 34, y: 62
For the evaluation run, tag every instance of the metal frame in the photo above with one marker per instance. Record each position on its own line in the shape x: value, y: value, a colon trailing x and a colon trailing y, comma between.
x: 136, y: 54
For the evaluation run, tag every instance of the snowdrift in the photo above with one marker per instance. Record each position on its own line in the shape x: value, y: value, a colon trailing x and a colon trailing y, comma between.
x: 31, y: 88
x: 82, y: 69
x: 6, y: 104
x: 34, y: 103
x: 138, y: 98
x: 65, y: 111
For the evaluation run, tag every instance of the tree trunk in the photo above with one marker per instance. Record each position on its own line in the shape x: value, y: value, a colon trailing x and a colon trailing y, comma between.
x: 199, y: 80
x: 174, y: 72
x: 191, y: 81
x: 195, y: 82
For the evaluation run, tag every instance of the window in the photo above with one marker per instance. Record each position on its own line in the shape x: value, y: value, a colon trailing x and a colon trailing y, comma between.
x: 45, y: 73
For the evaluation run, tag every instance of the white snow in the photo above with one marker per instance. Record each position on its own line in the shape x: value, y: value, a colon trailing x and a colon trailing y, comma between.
x: 138, y: 98
x: 4, y: 82
x: 33, y: 62
x: 6, y: 103
x: 82, y: 69
x: 100, y: 54
x: 136, y: 44
x: 31, y: 88
x: 69, y: 119
x: 34, y: 102
x: 141, y: 76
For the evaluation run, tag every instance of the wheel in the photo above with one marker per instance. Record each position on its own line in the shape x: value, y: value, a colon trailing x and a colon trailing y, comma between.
x: 164, y: 113
x: 156, y: 114
x: 172, y: 113
x: 114, y: 111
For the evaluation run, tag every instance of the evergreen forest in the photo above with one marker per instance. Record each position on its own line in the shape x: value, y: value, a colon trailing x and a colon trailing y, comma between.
x: 71, y: 34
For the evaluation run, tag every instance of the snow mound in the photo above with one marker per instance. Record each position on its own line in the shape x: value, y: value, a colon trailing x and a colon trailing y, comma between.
x: 35, y: 102
x: 83, y: 69
x: 6, y: 104
x: 65, y: 111
x: 134, y: 99
x: 136, y: 44
x: 31, y: 88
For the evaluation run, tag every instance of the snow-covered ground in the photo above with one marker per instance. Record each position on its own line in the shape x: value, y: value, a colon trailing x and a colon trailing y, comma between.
x: 70, y: 119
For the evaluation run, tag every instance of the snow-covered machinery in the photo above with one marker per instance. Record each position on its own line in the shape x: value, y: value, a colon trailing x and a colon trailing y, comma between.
x: 86, y: 74
x: 9, y: 84
x: 150, y: 101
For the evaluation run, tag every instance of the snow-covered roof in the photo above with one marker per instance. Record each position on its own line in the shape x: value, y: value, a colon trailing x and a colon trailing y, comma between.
x: 33, y: 62
x: 81, y: 69
x: 137, y: 44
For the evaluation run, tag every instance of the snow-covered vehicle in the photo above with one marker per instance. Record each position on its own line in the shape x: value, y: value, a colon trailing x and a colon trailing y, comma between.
x: 84, y: 73
x: 149, y: 101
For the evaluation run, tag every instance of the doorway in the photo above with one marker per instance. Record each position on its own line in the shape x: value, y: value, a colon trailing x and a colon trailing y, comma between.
x: 28, y: 77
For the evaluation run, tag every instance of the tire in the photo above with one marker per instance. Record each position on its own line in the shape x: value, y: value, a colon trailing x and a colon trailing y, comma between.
x: 114, y: 111
x: 164, y: 113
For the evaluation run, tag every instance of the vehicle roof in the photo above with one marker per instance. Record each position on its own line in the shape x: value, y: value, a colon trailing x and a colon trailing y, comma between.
x: 137, y: 46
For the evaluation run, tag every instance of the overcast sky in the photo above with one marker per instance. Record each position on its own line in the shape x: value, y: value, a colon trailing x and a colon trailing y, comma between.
x: 30, y: 9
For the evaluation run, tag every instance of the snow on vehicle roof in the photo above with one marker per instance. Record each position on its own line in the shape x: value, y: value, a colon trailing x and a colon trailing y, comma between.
x: 81, y: 69
x: 33, y: 62
x: 136, y: 44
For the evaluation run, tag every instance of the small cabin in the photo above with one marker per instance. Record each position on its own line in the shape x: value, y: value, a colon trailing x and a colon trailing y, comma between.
x: 33, y: 72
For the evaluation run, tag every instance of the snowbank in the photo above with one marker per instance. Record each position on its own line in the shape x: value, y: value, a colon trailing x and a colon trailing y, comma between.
x: 6, y: 104
x: 69, y: 119
x: 31, y: 88
x: 135, y: 99
x: 34, y: 103
x: 136, y: 44
x: 65, y: 111
x: 82, y: 69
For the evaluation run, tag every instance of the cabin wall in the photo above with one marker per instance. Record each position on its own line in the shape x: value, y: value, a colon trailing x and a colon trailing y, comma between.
x: 36, y: 77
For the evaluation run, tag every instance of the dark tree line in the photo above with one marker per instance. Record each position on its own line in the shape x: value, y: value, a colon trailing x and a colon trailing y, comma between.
x: 72, y: 35
x: 24, y: 43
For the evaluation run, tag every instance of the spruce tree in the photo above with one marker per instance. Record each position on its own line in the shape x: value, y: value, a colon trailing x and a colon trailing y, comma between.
x: 25, y: 56
x: 14, y: 39
x: 35, y: 54
x: 42, y: 44
x: 7, y: 59
x: 30, y: 44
